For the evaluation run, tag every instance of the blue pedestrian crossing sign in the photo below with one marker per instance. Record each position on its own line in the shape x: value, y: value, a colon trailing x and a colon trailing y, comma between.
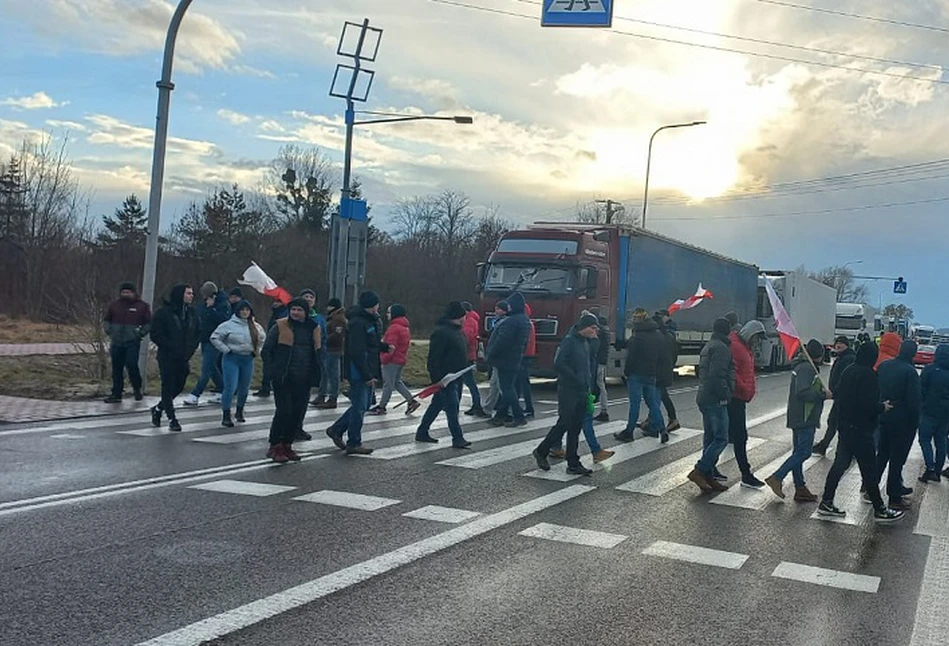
x: 577, y: 13
x: 899, y: 286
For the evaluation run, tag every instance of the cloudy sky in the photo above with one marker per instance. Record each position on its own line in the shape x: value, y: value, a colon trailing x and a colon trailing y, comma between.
x: 562, y: 116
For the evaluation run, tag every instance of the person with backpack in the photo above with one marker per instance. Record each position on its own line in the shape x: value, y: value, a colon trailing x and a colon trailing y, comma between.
x: 239, y: 340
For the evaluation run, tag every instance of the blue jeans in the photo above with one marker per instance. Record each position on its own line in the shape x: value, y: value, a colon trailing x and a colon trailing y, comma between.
x: 644, y: 388
x: 508, y: 398
x: 715, y: 439
x: 351, y: 421
x: 933, y: 432
x: 329, y: 384
x: 523, y: 386
x: 238, y: 370
x: 472, y: 385
x: 803, y: 445
x: 125, y: 359
x: 209, y: 369
x: 448, y: 400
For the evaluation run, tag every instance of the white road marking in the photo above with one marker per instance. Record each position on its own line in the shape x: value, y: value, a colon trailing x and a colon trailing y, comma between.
x: 350, y: 500
x: 562, y: 534
x: 767, y: 417
x: 933, y: 512
x: 932, y: 621
x: 666, y: 478
x: 829, y: 578
x: 67, y: 436
x: 319, y: 442
x: 758, y: 499
x: 189, y: 426
x: 442, y: 514
x: 623, y: 452
x: 254, y: 612
x: 243, y: 488
x: 695, y: 554
x: 849, y: 498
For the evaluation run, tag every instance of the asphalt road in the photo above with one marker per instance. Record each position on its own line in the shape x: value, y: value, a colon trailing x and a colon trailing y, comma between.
x: 116, y: 534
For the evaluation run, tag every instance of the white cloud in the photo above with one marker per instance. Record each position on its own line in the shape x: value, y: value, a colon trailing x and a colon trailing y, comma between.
x: 65, y: 125
x: 37, y: 101
x: 110, y: 131
x: 269, y: 125
x: 232, y: 117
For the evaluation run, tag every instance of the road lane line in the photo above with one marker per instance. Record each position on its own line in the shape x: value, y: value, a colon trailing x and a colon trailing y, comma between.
x: 829, y: 578
x: 932, y: 621
x: 257, y: 611
x: 758, y: 499
x: 849, y: 499
x: 695, y: 554
x: 767, y: 417
x: 322, y: 442
x: 243, y: 488
x: 348, y: 500
x: 933, y: 512
x: 442, y: 514
x: 585, y: 537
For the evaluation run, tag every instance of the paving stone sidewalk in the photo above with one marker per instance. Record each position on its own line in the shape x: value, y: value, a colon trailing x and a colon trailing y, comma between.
x: 27, y: 349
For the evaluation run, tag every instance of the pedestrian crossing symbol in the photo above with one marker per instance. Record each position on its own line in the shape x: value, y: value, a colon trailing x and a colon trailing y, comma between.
x: 577, y: 13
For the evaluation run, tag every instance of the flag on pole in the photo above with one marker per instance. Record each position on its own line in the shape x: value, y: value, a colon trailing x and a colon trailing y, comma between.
x: 789, y: 336
x: 688, y: 303
x: 257, y: 278
x: 428, y: 391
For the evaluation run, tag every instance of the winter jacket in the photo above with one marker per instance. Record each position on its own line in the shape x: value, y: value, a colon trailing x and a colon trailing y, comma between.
x: 336, y: 331
x: 899, y: 383
x: 645, y: 350
x: 175, y: 328
x: 447, y: 350
x: 471, y: 329
x: 716, y: 372
x: 127, y: 321
x: 209, y: 318
x: 363, y: 346
x: 398, y: 336
x: 277, y: 313
x: 665, y: 376
x: 320, y: 321
x: 509, y: 338
x: 745, y: 386
x: 889, y: 348
x: 572, y: 363
x: 290, y: 351
x: 935, y: 386
x: 857, y: 396
x: 603, y: 347
x: 531, y: 349
x: 593, y: 350
x: 805, y: 396
x: 843, y: 361
x: 233, y: 336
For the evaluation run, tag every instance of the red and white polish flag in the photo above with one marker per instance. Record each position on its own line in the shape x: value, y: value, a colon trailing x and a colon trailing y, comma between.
x: 257, y: 278
x: 688, y: 303
x: 786, y: 330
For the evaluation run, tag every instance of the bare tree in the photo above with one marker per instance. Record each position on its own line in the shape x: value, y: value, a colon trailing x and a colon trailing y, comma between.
x: 598, y: 213
x: 301, y: 181
x: 842, y: 279
x: 414, y: 218
x: 455, y: 220
x: 899, y: 311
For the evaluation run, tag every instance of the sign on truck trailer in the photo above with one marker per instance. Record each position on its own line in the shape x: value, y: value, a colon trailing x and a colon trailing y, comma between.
x: 610, y: 270
x: 811, y: 305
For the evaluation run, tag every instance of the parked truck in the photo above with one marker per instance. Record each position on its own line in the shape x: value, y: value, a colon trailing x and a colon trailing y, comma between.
x: 812, y: 306
x: 610, y: 270
x: 854, y: 319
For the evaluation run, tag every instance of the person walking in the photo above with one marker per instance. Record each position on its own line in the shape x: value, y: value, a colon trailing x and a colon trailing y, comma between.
x: 934, y: 415
x: 899, y: 383
x: 490, y: 402
x: 742, y: 345
x: 716, y: 387
x: 175, y: 332
x: 644, y: 352
x: 213, y: 310
x: 447, y: 354
x: 523, y: 383
x: 291, y: 351
x: 396, y: 341
x: 309, y: 295
x: 127, y: 322
x: 665, y: 377
x: 363, y: 369
x: 506, y: 349
x: 472, y: 328
x: 845, y: 359
x: 857, y: 399
x: 277, y: 311
x: 574, y: 386
x: 602, y: 359
x: 806, y: 397
x: 335, y: 341
x: 239, y: 340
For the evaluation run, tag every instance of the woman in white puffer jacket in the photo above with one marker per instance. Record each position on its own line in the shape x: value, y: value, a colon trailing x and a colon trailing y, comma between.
x: 239, y: 340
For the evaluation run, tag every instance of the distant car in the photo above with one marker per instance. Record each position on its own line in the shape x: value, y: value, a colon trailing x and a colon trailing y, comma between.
x: 924, y: 355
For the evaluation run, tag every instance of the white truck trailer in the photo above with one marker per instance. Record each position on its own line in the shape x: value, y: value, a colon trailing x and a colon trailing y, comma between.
x: 811, y: 305
x: 854, y: 319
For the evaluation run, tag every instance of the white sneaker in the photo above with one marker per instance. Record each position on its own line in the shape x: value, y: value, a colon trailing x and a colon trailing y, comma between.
x: 215, y: 398
x: 191, y: 400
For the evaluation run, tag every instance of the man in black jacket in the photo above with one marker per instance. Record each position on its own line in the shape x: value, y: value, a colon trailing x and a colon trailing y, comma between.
x: 857, y: 399
x: 899, y: 383
x: 447, y: 354
x: 505, y: 352
x: 574, y: 385
x: 644, y: 352
x: 363, y: 368
x: 277, y: 311
x: 845, y: 359
x: 175, y: 332
x: 211, y: 311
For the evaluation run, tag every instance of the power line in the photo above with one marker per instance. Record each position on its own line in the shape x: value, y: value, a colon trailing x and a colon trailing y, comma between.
x: 859, y: 16
x: 718, y: 48
x: 788, y: 214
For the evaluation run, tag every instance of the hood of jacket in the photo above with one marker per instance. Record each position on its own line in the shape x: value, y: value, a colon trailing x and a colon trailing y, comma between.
x: 908, y: 351
x: 890, y: 344
x: 176, y: 297
x: 941, y: 357
x: 749, y: 330
x: 649, y: 325
x: 517, y: 303
x: 867, y: 355
x: 400, y: 321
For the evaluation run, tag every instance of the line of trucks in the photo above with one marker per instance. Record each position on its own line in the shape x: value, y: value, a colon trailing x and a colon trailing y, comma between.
x: 563, y: 269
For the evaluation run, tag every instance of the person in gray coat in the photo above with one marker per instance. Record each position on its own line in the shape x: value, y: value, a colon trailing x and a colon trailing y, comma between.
x: 716, y: 386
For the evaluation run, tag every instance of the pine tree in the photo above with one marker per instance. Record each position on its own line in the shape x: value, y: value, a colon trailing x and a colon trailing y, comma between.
x: 13, y: 211
x: 126, y: 228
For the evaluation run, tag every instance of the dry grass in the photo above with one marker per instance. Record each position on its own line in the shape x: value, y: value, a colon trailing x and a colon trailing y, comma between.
x: 25, y: 331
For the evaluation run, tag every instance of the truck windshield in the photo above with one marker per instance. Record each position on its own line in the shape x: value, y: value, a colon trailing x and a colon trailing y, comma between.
x: 555, y: 280
x: 850, y: 323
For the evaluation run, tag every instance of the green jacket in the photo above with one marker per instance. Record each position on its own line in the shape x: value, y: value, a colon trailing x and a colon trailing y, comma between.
x: 805, y: 397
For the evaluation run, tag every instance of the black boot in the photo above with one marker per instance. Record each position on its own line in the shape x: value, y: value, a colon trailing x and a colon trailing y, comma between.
x: 239, y: 415
x: 227, y: 420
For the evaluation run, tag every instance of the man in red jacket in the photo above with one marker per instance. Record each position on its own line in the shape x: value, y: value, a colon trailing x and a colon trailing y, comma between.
x: 743, y: 354
x: 471, y: 329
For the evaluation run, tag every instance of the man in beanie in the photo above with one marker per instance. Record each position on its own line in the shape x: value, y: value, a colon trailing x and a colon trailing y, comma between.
x: 899, y: 384
x: 127, y: 322
x: 742, y: 345
x: 447, y: 354
x: 277, y: 311
x: 732, y: 318
x: 716, y: 387
x: 309, y: 295
x: 333, y: 362
x: 644, y: 353
x: 213, y: 309
x: 845, y: 358
x: 574, y: 386
x: 806, y: 398
x: 363, y: 369
x: 175, y: 332
x: 505, y: 352
x: 234, y: 297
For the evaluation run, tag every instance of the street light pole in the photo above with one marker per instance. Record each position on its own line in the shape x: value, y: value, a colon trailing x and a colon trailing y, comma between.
x: 165, y: 87
x: 649, y: 161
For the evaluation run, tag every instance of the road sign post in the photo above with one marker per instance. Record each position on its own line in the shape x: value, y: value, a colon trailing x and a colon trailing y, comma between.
x: 577, y: 13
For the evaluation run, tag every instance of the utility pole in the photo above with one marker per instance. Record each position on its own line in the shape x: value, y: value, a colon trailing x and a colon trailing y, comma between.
x: 610, y: 211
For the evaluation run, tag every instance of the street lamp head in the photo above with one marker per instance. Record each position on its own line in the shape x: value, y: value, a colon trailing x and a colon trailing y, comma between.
x: 463, y: 120
x: 698, y: 123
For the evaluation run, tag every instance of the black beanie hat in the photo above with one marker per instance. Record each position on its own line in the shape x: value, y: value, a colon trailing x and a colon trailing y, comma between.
x: 722, y: 326
x: 298, y: 302
x: 455, y: 311
x: 587, y: 320
x: 238, y: 306
x: 236, y: 292
x: 396, y: 310
x: 126, y: 285
x: 368, y: 300
x: 334, y: 303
